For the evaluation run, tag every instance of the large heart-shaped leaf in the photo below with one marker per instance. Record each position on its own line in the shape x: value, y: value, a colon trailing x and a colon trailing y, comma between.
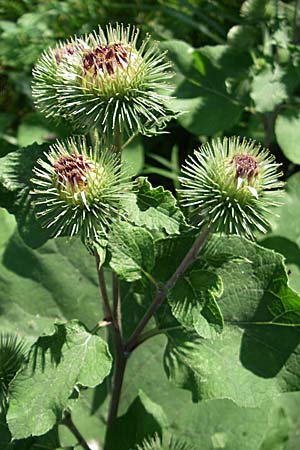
x: 70, y: 357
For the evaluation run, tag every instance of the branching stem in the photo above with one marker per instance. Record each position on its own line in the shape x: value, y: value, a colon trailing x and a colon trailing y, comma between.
x: 161, y: 293
x: 117, y: 313
x: 120, y: 360
x: 122, y: 350
x: 116, y: 328
x: 68, y: 422
x: 154, y: 332
x: 103, y: 290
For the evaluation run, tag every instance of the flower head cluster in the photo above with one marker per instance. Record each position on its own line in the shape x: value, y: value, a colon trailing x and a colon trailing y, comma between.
x: 232, y: 184
x: 78, y: 189
x: 105, y: 81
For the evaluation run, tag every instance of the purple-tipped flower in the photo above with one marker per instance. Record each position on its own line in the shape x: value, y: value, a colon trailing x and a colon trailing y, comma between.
x: 105, y: 80
x: 231, y: 184
x: 78, y: 189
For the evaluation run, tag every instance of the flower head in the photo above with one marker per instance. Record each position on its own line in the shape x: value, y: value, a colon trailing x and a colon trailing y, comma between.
x: 232, y: 184
x: 12, y: 356
x: 155, y: 443
x: 105, y: 81
x: 78, y: 189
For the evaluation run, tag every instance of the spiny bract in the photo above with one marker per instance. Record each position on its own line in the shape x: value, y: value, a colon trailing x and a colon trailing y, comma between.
x: 78, y: 188
x: 12, y: 356
x: 232, y: 184
x: 105, y: 81
x: 155, y: 443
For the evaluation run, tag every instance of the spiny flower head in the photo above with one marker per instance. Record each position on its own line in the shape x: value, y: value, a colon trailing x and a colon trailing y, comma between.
x: 155, y: 443
x: 104, y: 80
x: 78, y: 188
x: 12, y: 356
x: 232, y: 184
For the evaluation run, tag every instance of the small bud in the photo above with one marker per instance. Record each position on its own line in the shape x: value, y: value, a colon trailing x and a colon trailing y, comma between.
x: 78, y: 189
x: 232, y: 184
x: 105, y: 81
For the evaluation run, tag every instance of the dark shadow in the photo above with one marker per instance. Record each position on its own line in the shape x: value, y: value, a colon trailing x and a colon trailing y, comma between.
x: 265, y: 349
x: 48, y: 344
x: 286, y: 247
x: 19, y: 200
x: 145, y: 201
x: 20, y: 259
x: 209, y: 90
x: 100, y: 394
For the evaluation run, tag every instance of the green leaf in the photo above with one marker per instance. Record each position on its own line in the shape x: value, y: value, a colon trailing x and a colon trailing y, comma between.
x: 285, y: 235
x: 286, y: 222
x: 15, y: 187
x: 181, y: 54
x: 194, y: 297
x: 278, y: 431
x: 291, y: 252
x: 33, y: 128
x: 69, y: 358
x: 132, y: 251
x: 201, y: 92
x: 57, y: 281
x: 287, y: 131
x: 268, y: 89
x: 143, y: 419
x: 207, y: 425
x: 133, y: 157
x: 289, y: 403
x: 154, y: 209
x: 256, y: 355
x: 49, y: 441
x: 90, y: 422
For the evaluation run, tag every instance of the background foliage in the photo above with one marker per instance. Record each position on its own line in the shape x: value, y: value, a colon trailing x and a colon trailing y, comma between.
x: 237, y: 71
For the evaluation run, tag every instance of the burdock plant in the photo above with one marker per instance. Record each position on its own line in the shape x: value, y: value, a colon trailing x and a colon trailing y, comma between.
x: 112, y: 87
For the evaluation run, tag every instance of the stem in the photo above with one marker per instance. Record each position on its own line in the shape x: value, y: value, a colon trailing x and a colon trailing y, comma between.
x: 162, y: 292
x: 154, y: 332
x: 68, y: 422
x: 120, y: 359
x: 117, y: 313
x: 120, y: 366
x: 100, y: 324
x: 134, y: 135
x: 103, y: 290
